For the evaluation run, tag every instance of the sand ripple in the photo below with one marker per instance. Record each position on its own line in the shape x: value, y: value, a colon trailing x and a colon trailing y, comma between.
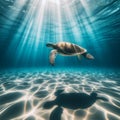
x: 22, y: 94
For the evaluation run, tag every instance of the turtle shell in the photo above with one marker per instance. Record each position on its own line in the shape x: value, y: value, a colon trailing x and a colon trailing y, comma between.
x: 69, y: 48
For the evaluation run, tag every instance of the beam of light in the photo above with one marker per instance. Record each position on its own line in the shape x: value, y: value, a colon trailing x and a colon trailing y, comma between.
x: 59, y: 19
x: 50, y: 21
x: 55, y: 1
x: 31, y: 32
x: 39, y: 21
x: 37, y: 26
x: 89, y: 28
x: 72, y: 22
x: 31, y: 29
x: 25, y: 29
x: 18, y: 8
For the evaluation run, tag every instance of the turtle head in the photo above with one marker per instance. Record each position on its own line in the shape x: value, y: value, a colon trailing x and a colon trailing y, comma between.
x: 51, y: 45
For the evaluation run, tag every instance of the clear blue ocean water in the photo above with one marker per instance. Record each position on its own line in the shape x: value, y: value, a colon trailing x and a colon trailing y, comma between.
x: 26, y: 27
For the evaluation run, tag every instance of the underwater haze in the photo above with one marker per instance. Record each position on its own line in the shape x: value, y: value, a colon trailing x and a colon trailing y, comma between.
x: 73, y: 89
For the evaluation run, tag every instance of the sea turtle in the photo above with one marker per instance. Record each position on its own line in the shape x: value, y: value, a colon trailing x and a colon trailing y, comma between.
x: 67, y: 49
x: 70, y: 101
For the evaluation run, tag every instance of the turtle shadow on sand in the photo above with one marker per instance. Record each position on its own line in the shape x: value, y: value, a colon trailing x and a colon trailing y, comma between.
x: 70, y: 101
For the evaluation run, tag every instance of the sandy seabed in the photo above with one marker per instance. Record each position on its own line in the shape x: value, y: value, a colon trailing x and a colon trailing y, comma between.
x: 23, y: 94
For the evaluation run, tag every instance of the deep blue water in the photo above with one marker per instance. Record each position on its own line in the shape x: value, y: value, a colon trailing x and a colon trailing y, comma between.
x: 26, y: 26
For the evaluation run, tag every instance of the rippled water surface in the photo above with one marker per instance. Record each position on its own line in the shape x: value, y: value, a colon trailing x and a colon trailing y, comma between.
x: 23, y: 94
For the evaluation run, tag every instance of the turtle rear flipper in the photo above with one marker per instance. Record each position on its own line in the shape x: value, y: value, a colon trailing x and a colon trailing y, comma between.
x: 56, y: 114
x: 58, y: 92
x: 88, y: 56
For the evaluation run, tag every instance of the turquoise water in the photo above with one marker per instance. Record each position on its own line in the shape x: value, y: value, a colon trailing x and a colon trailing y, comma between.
x: 26, y: 26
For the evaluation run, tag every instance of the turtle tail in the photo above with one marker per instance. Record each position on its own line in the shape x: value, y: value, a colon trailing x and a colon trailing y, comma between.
x: 49, y: 104
x: 56, y: 114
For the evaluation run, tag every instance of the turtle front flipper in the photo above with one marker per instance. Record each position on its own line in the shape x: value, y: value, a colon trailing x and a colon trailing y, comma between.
x: 52, y: 57
x: 56, y: 114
